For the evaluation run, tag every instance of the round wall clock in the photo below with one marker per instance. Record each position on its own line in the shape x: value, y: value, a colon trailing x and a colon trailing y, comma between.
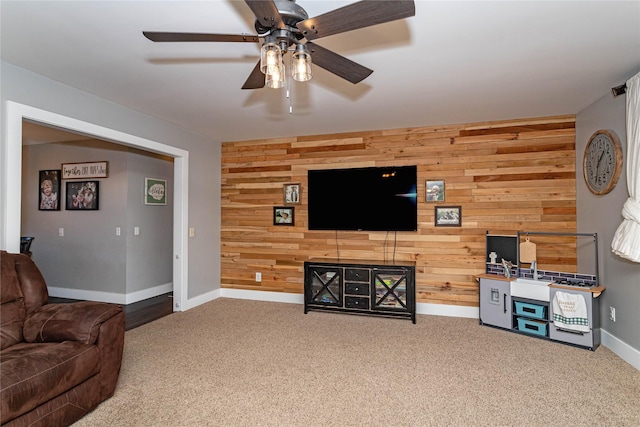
x: 602, y: 162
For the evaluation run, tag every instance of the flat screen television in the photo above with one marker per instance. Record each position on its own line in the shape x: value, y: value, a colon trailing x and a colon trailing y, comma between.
x: 371, y: 199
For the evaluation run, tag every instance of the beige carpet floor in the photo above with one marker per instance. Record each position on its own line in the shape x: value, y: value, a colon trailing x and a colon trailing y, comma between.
x: 251, y: 363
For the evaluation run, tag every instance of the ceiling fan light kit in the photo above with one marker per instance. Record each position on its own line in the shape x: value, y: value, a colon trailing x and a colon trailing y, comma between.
x: 275, y: 76
x: 283, y: 24
x: 270, y: 57
x: 272, y: 62
x: 301, y: 64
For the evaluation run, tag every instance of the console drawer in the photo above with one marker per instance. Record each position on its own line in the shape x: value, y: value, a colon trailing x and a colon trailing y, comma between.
x: 356, y: 288
x: 356, y: 275
x: 356, y: 302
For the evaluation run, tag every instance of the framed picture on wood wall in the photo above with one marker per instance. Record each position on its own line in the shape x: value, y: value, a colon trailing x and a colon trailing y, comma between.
x: 448, y: 216
x: 434, y: 190
x: 283, y: 215
x: 291, y: 194
x: 49, y: 192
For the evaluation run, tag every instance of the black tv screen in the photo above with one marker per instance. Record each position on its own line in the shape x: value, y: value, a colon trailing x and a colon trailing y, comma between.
x: 371, y: 199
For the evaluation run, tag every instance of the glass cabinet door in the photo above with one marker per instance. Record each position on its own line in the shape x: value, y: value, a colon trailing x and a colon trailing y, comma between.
x: 326, y: 286
x: 390, y: 287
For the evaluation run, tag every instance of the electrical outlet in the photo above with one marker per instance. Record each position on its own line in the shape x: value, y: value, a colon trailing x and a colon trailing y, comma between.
x: 258, y: 277
x: 612, y: 314
x: 192, y: 232
x: 60, y: 232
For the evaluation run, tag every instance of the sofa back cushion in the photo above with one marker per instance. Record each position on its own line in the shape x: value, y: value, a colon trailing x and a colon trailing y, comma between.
x: 12, y: 310
x: 33, y: 286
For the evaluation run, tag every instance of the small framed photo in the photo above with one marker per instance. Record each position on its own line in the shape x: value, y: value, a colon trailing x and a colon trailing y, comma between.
x: 291, y: 194
x: 85, y: 170
x: 155, y: 191
x: 448, y: 216
x: 283, y: 215
x: 83, y: 195
x: 49, y: 191
x: 434, y: 191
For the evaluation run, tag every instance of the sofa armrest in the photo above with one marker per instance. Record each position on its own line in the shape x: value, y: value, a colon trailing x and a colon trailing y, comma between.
x: 78, y: 321
x: 111, y: 346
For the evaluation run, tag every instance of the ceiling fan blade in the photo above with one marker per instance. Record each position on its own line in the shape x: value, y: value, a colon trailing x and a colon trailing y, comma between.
x: 357, y: 15
x: 266, y: 13
x: 337, y: 64
x: 156, y: 36
x: 256, y: 79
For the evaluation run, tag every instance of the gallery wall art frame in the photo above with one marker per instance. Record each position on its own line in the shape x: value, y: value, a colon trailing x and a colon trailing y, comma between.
x: 155, y: 192
x: 434, y: 190
x: 85, y: 170
x: 284, y: 215
x: 448, y: 216
x: 292, y: 194
x: 49, y: 190
x: 82, y: 195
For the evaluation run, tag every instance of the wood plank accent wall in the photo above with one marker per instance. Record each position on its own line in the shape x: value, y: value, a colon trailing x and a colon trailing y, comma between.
x: 507, y: 176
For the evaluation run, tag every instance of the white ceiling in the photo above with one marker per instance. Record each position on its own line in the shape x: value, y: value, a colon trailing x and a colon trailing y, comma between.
x: 454, y: 62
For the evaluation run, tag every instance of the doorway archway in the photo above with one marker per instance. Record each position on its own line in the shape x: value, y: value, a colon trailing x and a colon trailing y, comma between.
x: 12, y: 164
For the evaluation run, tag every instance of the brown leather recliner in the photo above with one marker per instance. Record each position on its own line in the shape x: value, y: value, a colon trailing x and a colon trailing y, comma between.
x: 57, y: 361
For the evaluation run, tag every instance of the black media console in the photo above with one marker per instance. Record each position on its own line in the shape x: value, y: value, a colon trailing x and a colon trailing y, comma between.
x: 351, y: 286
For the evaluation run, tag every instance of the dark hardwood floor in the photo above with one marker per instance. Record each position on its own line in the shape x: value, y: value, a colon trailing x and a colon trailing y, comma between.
x: 141, y: 312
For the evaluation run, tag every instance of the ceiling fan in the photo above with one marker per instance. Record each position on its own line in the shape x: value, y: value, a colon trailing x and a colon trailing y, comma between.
x: 284, y: 25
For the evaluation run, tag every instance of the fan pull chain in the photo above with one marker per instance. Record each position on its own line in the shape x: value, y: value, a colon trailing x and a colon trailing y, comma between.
x: 289, y: 94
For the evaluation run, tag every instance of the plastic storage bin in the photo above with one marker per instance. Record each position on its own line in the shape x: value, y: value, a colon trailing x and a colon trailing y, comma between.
x: 534, y: 327
x: 531, y: 310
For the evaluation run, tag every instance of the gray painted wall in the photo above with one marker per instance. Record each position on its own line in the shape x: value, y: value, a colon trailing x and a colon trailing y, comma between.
x: 149, y: 259
x: 87, y: 257
x: 602, y: 214
x: 25, y: 87
x: 134, y: 262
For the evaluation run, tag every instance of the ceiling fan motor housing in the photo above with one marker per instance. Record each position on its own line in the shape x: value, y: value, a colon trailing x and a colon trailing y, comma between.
x: 291, y: 13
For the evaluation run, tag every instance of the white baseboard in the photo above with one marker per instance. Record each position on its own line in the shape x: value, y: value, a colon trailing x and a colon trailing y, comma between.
x: 621, y: 349
x: 243, y: 294
x: 447, y: 310
x: 81, y: 294
x: 421, y: 308
x: 263, y: 296
x: 111, y: 297
x: 201, y: 299
x: 148, y: 293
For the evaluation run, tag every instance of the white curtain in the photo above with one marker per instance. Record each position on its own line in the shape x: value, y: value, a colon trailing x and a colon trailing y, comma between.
x: 626, y: 241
